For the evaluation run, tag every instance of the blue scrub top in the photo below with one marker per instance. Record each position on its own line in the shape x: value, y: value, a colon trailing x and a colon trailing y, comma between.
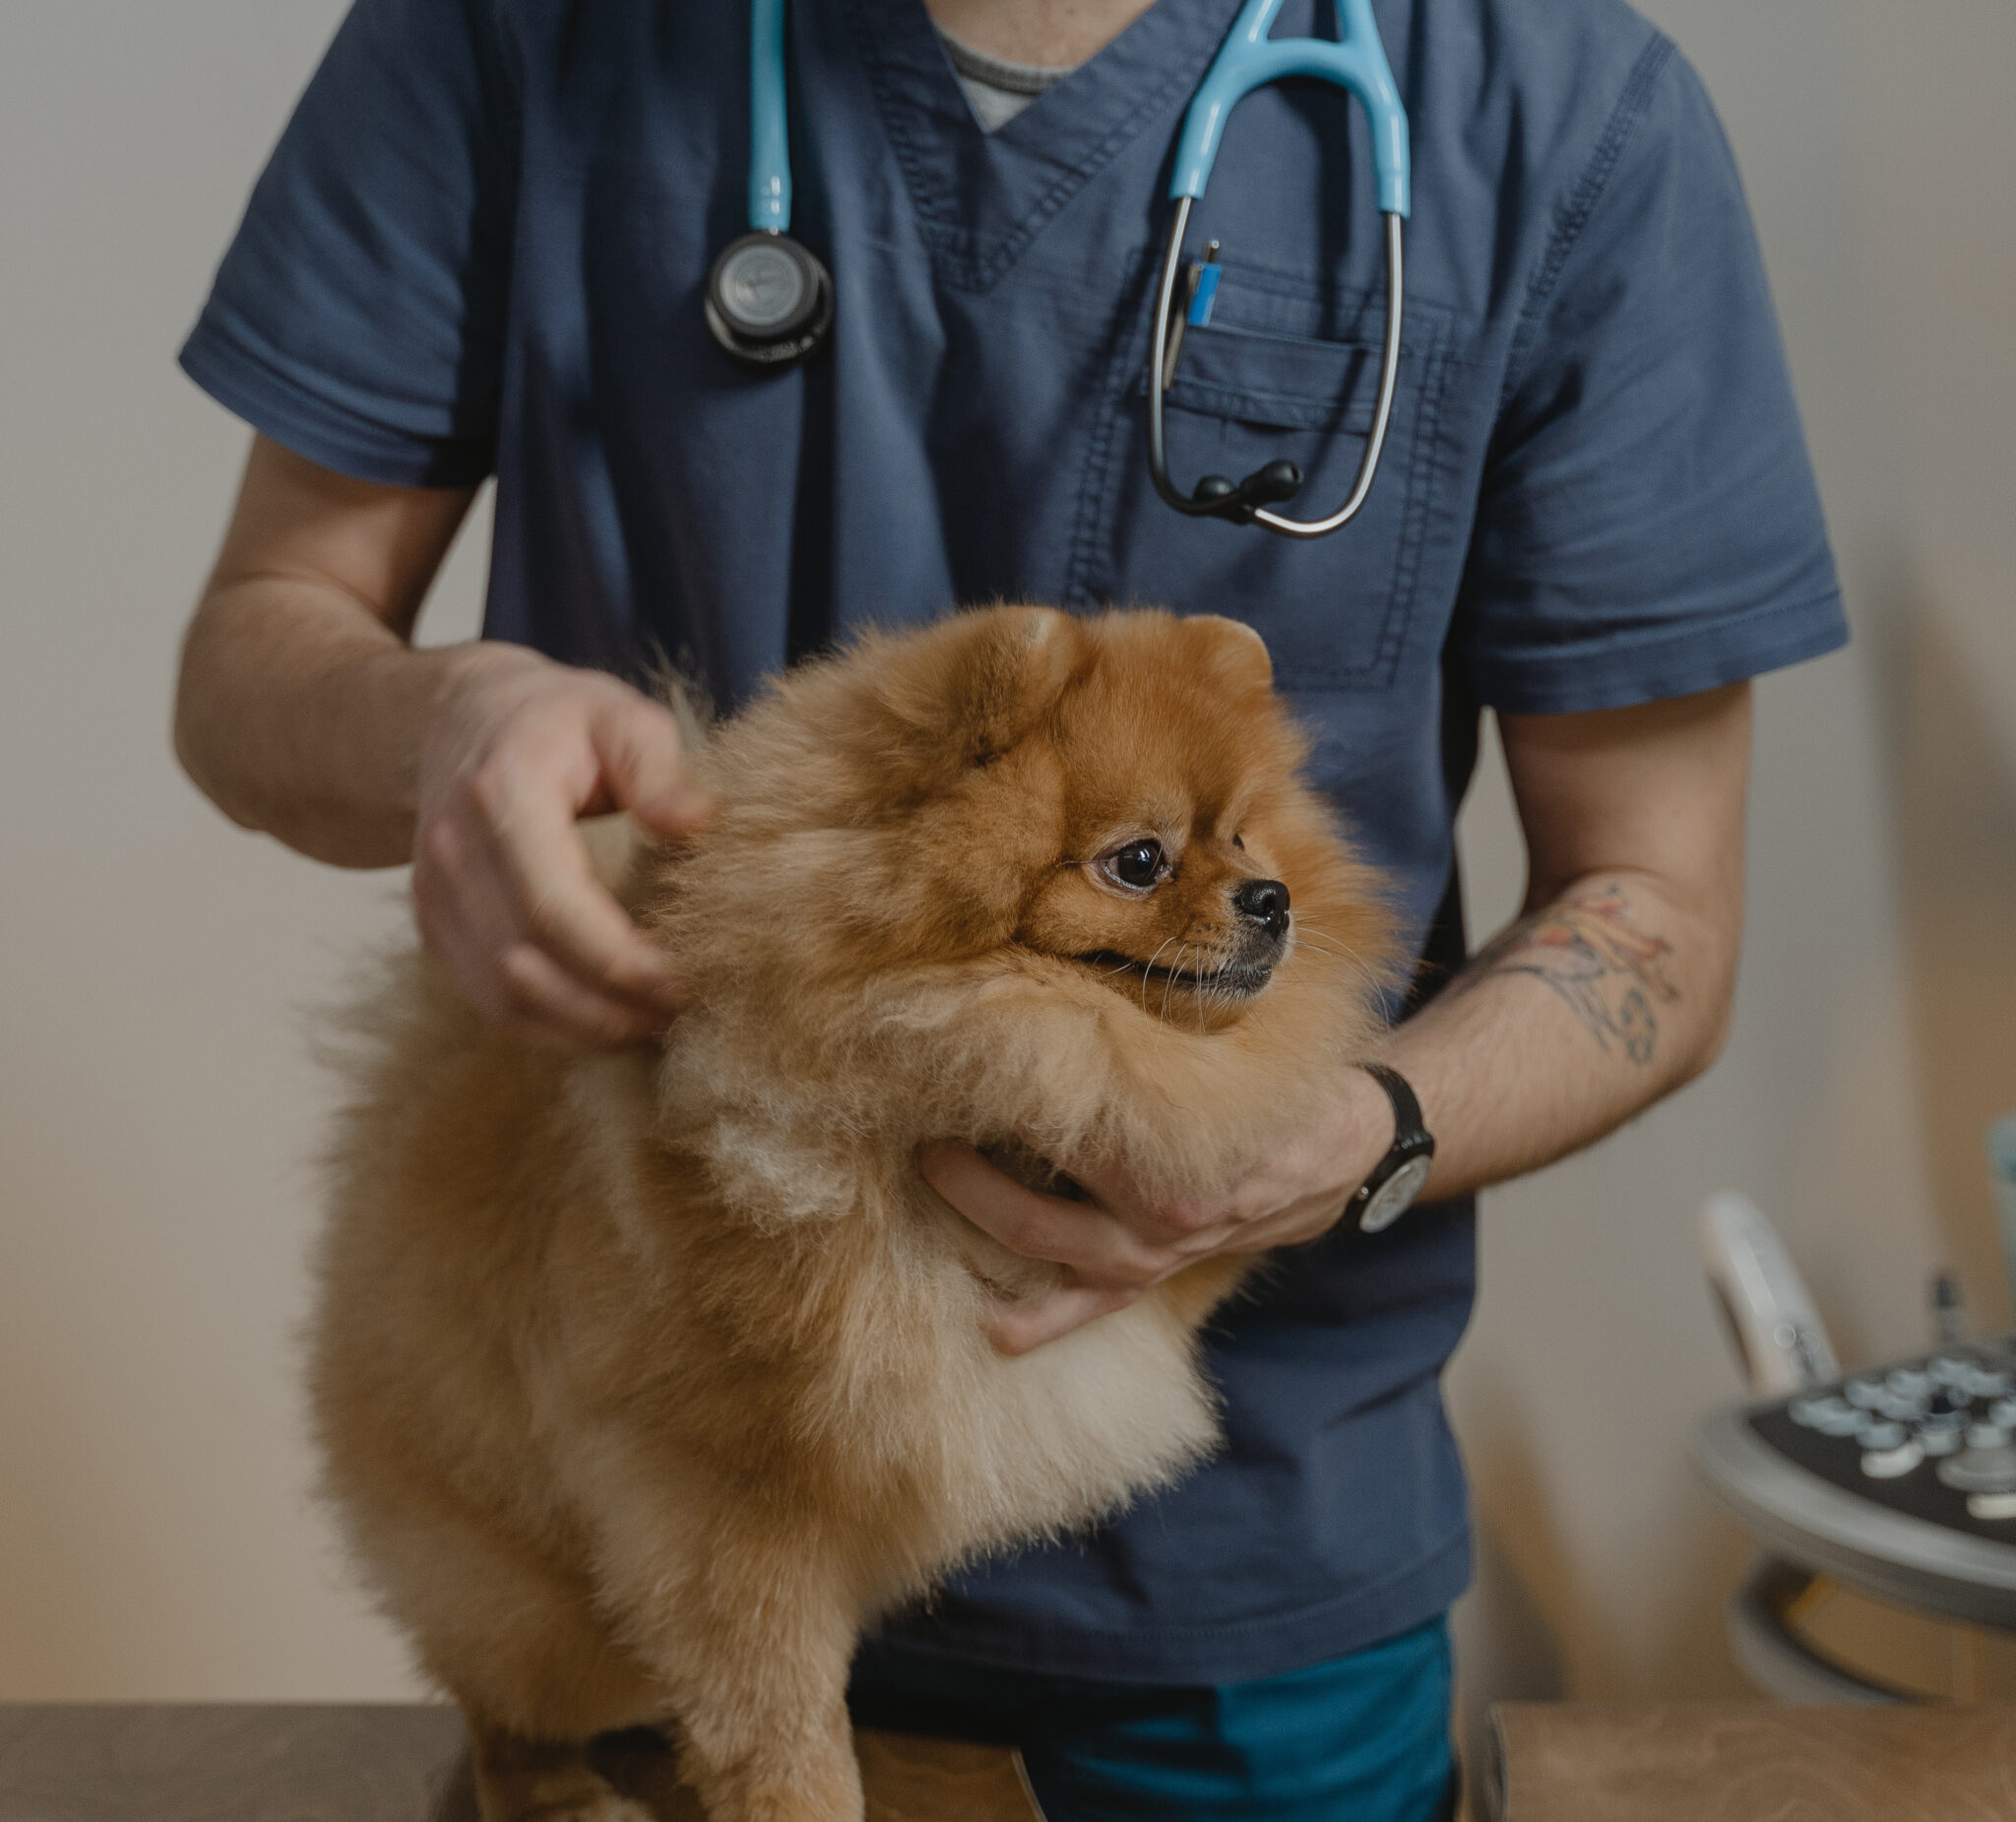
x: 481, y: 248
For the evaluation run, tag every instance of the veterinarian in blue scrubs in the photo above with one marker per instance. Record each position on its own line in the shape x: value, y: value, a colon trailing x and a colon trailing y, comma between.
x: 480, y: 251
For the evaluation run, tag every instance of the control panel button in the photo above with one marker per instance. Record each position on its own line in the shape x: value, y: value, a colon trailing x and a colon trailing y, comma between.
x: 1832, y: 1416
x: 1879, y: 1437
x: 1981, y: 1471
x: 1893, y: 1464
x: 1940, y: 1441
x: 1949, y: 1369
x: 1899, y: 1409
x: 1862, y: 1391
x: 1992, y: 1506
x: 1987, y: 1384
x: 1987, y: 1436
x: 2003, y: 1412
x: 1909, y: 1382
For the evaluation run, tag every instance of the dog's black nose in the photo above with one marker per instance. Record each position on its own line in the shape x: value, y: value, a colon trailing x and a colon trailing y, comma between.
x: 1265, y: 900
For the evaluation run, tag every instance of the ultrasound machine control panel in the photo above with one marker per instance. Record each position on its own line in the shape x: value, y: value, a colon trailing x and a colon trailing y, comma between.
x: 1902, y: 1478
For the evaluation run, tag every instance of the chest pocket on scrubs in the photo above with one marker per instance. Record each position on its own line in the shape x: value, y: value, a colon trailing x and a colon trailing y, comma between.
x: 1332, y: 610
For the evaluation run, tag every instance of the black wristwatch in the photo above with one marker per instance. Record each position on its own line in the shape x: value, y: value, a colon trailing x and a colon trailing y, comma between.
x: 1397, y: 1178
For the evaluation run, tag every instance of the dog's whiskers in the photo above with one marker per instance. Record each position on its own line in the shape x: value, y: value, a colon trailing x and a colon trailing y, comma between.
x: 1148, y: 969
x: 1326, y: 944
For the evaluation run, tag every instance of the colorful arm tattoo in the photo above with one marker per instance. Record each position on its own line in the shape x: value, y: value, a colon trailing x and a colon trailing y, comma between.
x: 1587, y: 950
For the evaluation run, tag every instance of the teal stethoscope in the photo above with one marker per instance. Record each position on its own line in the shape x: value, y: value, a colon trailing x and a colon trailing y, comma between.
x: 770, y: 301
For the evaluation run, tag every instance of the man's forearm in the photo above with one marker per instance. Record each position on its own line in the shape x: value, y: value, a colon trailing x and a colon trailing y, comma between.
x: 1577, y: 1017
x: 301, y: 705
x: 302, y: 716
x: 304, y: 711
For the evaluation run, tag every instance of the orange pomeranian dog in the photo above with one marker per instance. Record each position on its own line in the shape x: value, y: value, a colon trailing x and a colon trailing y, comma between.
x: 646, y: 1382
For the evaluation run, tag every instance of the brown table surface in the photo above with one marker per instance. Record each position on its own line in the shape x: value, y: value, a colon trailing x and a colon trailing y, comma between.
x: 1754, y: 1762
x: 286, y: 1762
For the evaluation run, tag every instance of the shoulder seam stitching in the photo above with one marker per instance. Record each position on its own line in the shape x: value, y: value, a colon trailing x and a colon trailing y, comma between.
x: 1572, y: 213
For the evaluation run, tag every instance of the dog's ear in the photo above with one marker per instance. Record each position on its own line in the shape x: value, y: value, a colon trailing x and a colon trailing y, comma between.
x: 1231, y: 651
x: 983, y: 679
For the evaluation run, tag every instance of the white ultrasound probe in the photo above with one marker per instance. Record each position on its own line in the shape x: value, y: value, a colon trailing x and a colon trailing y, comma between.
x: 1777, y: 1332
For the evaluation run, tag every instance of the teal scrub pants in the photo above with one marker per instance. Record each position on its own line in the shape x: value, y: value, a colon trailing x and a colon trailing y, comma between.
x: 1361, y: 1739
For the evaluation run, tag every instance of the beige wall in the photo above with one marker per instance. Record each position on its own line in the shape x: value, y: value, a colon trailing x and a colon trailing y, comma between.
x: 158, y: 1113
x: 1875, y: 1030
x: 157, y: 1107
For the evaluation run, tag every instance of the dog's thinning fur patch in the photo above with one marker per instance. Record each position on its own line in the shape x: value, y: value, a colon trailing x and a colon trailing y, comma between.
x: 645, y: 1382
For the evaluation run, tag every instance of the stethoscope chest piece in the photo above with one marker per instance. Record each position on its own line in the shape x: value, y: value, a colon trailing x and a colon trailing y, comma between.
x: 769, y: 299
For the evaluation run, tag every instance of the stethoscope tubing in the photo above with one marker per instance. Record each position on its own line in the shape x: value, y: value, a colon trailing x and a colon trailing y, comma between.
x: 1382, y: 410
x: 751, y: 312
x: 770, y: 146
x: 1249, y: 60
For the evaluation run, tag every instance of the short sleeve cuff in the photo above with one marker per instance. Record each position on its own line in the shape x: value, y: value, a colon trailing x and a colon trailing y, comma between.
x: 1578, y: 676
x: 326, y: 431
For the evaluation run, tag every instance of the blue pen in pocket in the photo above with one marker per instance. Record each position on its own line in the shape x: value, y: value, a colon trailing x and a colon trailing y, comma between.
x: 1203, y: 294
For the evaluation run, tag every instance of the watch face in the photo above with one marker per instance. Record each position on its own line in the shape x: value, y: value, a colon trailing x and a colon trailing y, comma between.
x: 1394, y: 1197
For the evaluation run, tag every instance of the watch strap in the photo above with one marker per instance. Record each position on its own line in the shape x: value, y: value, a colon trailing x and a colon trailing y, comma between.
x: 1406, y: 1107
x: 1410, y: 1137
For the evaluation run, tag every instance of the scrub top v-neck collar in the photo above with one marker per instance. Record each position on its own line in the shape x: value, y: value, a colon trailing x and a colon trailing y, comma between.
x: 981, y: 198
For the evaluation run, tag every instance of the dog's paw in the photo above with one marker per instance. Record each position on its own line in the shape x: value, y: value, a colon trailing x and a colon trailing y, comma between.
x: 577, y: 1796
x: 603, y: 1805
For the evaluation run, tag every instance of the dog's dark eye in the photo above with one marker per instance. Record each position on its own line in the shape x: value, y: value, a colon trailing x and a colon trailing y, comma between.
x: 1239, y: 842
x: 1139, y: 864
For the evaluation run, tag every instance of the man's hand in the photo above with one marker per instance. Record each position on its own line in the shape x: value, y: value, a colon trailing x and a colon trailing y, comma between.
x: 516, y: 751
x: 304, y: 711
x: 1117, y: 1244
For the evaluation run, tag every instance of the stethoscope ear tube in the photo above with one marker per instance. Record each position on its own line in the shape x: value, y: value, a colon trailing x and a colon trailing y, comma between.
x: 1251, y: 501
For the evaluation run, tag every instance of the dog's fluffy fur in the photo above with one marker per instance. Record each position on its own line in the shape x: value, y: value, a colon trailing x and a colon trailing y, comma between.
x: 645, y: 1382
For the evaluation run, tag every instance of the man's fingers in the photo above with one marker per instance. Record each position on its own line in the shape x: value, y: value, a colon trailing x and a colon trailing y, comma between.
x: 644, y: 765
x: 1078, y: 1234
x: 542, y: 999
x: 513, y: 983
x: 503, y: 883
x: 1016, y: 1328
x: 560, y: 906
x: 468, y: 905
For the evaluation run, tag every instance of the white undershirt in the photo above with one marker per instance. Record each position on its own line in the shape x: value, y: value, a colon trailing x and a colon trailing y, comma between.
x: 998, y: 90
